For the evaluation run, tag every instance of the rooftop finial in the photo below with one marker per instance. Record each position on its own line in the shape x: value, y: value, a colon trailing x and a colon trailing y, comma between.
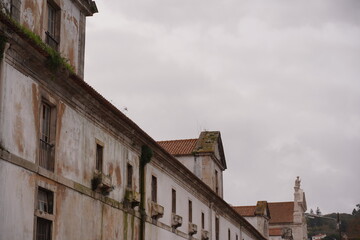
x: 297, y: 182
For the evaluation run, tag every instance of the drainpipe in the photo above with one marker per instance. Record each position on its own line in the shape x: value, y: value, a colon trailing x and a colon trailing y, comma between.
x: 146, y: 155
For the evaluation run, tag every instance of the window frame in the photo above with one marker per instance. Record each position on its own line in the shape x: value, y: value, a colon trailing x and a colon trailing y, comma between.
x: 216, y: 182
x: 173, y: 201
x: 202, y: 220
x: 129, y: 175
x: 217, y: 228
x: 190, y: 209
x: 47, y: 133
x: 46, y: 217
x: 154, y: 188
x: 53, y: 24
x: 99, y: 157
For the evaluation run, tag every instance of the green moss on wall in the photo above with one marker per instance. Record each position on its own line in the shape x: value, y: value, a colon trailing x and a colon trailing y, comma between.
x: 54, y: 60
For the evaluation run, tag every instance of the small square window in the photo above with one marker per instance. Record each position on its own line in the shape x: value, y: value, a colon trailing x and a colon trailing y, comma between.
x: 45, y: 200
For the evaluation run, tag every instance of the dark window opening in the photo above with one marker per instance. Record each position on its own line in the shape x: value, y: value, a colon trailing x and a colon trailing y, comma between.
x: 129, y: 175
x: 202, y: 220
x: 45, y: 200
x: 217, y: 228
x: 216, y: 182
x: 190, y: 211
x: 53, y: 29
x: 173, y: 201
x: 47, y: 128
x: 229, y: 234
x: 99, y: 157
x: 43, y: 229
x: 153, y: 189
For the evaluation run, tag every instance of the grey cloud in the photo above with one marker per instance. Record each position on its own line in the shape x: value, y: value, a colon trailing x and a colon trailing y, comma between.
x: 280, y: 80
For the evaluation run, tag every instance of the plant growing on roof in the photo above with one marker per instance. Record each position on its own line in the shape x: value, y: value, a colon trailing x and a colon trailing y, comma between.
x: 54, y: 60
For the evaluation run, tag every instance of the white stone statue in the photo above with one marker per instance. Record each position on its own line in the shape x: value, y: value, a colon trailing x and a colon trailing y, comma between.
x: 297, y: 182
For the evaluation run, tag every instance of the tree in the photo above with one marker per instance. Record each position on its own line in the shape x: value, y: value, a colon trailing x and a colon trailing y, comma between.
x: 312, y: 211
x: 356, y: 211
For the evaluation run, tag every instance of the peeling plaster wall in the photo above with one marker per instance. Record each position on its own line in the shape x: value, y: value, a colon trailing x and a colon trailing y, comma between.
x: 34, y: 17
x: 17, y: 208
x: 18, y: 128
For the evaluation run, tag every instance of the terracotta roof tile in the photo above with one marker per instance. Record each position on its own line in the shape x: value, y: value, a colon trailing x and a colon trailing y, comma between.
x: 281, y: 212
x: 179, y: 147
x: 245, y: 211
x: 275, y: 232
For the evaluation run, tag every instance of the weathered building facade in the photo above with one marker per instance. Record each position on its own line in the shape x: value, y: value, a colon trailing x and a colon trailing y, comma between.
x: 72, y: 166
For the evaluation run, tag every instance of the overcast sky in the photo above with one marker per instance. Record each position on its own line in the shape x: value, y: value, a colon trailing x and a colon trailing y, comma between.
x: 279, y: 79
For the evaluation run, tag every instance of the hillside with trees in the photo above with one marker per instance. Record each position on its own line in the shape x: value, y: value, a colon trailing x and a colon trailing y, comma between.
x: 327, y: 224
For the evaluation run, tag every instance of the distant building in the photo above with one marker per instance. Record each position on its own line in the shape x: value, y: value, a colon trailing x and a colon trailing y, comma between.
x: 318, y: 237
x: 258, y: 216
x: 290, y: 216
x: 286, y: 220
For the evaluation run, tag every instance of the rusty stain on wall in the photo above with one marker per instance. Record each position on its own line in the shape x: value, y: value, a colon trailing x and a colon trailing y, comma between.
x: 118, y: 175
x: 111, y: 169
x: 31, y: 16
x: 60, y: 113
x: 18, y: 133
x: 60, y: 198
x: 35, y: 106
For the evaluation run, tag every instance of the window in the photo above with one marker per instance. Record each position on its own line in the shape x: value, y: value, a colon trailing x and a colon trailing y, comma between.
x: 216, y: 182
x: 43, y: 229
x: 129, y: 171
x: 44, y: 214
x: 47, y: 128
x: 202, y: 220
x: 237, y: 237
x: 229, y: 234
x: 190, y: 211
x: 153, y: 189
x: 45, y: 200
x: 15, y: 9
x: 53, y: 28
x: 217, y: 228
x: 99, y: 157
x: 173, y: 201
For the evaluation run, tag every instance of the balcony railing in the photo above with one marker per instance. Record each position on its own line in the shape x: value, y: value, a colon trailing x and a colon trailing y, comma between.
x: 46, y: 158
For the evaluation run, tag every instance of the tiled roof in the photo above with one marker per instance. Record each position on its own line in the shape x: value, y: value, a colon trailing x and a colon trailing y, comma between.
x: 245, y: 211
x: 179, y: 147
x: 281, y: 212
x: 275, y: 232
